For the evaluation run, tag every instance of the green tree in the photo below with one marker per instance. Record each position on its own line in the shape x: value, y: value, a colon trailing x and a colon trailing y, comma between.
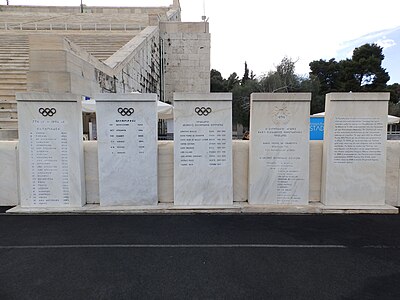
x: 241, y: 91
x: 217, y: 82
x: 285, y: 71
x: 241, y: 101
x: 368, y: 71
x: 246, y: 74
x: 282, y: 79
x: 394, y: 104
x: 394, y: 109
x: 232, y: 81
x: 362, y: 73
x: 394, y: 90
x: 328, y: 74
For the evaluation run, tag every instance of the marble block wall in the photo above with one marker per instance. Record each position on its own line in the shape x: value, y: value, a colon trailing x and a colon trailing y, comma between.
x: 136, y: 65
x: 9, y: 174
x: 203, y: 149
x: 51, y: 159
x: 279, y: 148
x: 186, y: 52
x: 354, y: 152
x: 127, y: 148
x: 57, y: 65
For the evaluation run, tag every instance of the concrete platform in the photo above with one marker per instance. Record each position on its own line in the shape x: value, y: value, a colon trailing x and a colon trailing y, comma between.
x: 169, y: 208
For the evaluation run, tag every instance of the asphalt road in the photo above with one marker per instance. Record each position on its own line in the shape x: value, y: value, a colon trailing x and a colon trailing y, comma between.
x: 200, y: 257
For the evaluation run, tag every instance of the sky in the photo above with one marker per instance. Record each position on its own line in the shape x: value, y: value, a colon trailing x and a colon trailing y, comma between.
x: 263, y: 32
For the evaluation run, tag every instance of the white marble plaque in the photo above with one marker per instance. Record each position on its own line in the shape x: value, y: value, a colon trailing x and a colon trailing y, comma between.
x: 279, y: 149
x: 127, y: 149
x: 354, y: 154
x: 50, y: 150
x: 203, y: 149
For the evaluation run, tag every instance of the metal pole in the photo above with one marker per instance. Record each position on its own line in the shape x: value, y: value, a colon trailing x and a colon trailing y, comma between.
x: 81, y: 7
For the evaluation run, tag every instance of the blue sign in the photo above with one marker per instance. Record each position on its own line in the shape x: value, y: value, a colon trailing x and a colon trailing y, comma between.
x: 316, y: 128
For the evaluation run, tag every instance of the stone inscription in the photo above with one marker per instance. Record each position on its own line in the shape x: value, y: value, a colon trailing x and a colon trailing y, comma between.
x: 199, y: 135
x: 48, y: 141
x: 121, y: 131
x: 279, y: 154
x: 127, y: 151
x: 357, y: 140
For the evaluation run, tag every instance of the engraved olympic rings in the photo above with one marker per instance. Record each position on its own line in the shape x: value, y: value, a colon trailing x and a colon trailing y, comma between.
x: 47, y: 112
x: 203, y: 111
x: 126, y: 111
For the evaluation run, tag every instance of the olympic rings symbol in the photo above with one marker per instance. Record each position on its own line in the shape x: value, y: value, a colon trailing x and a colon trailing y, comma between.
x: 126, y: 111
x: 47, y: 112
x: 203, y: 111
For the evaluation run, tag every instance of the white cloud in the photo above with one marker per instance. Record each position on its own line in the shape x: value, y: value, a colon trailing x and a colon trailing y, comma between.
x: 386, y: 43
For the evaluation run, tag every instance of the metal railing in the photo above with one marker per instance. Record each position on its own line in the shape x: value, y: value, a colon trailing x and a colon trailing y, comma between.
x: 71, y: 26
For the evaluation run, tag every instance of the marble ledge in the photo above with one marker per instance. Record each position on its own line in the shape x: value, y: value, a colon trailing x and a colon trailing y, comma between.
x: 47, y: 97
x: 280, y: 97
x: 202, y: 96
x: 237, y: 208
x: 385, y: 96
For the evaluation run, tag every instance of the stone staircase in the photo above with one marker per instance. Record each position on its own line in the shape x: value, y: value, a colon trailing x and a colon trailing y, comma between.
x: 101, y: 45
x: 99, y: 34
x: 14, y: 65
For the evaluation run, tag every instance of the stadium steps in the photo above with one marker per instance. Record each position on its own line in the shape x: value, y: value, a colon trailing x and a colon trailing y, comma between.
x: 14, y: 65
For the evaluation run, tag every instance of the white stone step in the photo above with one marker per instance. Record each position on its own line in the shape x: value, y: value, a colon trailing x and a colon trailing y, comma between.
x: 11, y: 91
x: 13, y: 74
x: 13, y: 58
x: 12, y: 86
x: 5, y: 68
x: 8, y: 134
x: 6, y: 123
x: 8, y: 105
x: 13, y: 50
x: 8, y: 99
x: 14, y: 54
x: 11, y: 81
x: 8, y: 113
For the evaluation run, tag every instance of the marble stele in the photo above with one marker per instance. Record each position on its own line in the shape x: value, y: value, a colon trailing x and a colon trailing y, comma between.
x: 354, y: 153
x: 279, y: 149
x: 51, y: 158
x: 203, y: 149
x: 127, y: 149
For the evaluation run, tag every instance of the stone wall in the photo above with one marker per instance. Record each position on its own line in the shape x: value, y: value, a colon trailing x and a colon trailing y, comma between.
x: 59, y: 66
x: 9, y: 172
x: 56, y: 64
x: 137, y: 64
x: 186, y: 57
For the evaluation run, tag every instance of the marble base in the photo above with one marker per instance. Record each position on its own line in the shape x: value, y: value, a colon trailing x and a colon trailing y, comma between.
x: 8, y: 173
x: 168, y: 208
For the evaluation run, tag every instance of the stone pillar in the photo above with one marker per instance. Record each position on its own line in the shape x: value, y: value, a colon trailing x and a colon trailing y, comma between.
x: 127, y: 148
x: 186, y: 57
x: 203, y: 149
x: 279, y: 149
x: 354, y: 154
x: 50, y: 150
